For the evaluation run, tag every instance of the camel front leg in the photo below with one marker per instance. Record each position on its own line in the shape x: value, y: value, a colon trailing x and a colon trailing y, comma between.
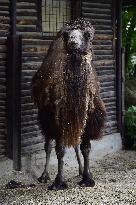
x: 59, y: 183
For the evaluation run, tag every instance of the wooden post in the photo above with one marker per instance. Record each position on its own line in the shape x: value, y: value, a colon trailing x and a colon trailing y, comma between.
x: 14, y: 44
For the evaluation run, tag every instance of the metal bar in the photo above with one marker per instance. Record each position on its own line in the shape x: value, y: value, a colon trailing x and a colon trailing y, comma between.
x: 57, y: 20
x: 119, y: 64
x: 63, y: 12
x: 49, y: 18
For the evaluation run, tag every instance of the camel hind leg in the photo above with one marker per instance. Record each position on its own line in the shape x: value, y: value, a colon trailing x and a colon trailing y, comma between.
x: 87, y: 179
x: 79, y: 160
x: 44, y: 178
x: 93, y: 130
x: 46, y: 121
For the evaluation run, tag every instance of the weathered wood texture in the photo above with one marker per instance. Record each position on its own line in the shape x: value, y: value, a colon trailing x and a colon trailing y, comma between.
x: 33, y: 51
x: 35, y: 48
x: 4, y: 30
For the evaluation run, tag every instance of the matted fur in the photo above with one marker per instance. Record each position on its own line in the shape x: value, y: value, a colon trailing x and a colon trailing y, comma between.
x: 66, y: 91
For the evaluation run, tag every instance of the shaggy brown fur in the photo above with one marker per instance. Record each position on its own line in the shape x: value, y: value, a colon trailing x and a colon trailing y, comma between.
x: 66, y: 89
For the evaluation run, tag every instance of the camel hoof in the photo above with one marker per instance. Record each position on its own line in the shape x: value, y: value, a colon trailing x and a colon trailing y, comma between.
x: 44, y: 178
x: 87, y: 182
x: 58, y: 186
x: 80, y: 171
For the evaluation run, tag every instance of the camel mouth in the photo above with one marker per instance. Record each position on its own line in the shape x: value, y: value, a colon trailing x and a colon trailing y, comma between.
x: 74, y: 48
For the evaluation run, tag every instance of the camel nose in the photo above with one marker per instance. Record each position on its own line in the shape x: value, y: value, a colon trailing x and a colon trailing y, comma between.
x: 73, y: 43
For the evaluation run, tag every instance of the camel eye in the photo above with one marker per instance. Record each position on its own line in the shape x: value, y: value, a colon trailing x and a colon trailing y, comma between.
x: 87, y: 35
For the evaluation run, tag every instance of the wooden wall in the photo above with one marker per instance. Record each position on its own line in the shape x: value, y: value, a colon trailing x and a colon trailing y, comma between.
x: 100, y: 13
x: 34, y: 49
x: 4, y: 30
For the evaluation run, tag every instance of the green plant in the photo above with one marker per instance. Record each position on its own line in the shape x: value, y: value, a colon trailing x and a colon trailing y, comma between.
x: 130, y: 123
x: 129, y: 38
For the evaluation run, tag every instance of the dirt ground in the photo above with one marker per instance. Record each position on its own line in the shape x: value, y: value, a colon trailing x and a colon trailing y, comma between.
x: 115, y: 177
